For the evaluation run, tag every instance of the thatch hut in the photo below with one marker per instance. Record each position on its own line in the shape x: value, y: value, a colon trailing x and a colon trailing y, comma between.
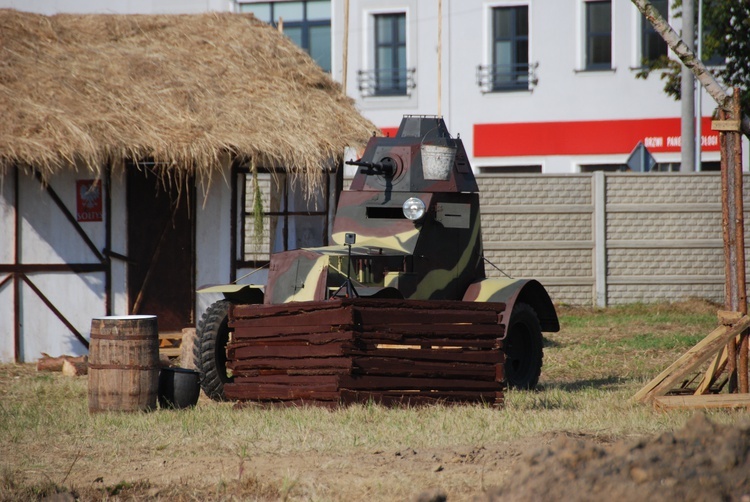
x: 124, y: 152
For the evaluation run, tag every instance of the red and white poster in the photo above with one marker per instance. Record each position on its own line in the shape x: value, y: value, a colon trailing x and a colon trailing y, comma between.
x: 89, y: 200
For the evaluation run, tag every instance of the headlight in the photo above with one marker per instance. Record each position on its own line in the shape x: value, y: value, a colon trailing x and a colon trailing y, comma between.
x: 413, y: 208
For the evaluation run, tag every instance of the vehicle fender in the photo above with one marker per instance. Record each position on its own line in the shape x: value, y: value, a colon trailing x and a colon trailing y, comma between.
x: 237, y: 293
x: 510, y: 291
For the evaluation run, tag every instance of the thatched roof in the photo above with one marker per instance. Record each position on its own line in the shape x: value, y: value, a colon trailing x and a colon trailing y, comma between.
x: 181, y: 90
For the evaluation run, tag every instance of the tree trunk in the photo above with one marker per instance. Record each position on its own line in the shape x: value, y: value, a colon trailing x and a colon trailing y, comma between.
x: 689, y: 59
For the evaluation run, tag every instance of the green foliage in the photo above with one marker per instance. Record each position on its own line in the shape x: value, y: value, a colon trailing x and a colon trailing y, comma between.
x: 257, y: 209
x: 726, y: 33
x: 729, y: 36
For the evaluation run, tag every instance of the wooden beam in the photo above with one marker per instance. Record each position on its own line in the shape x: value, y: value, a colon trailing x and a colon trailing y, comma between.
x: 691, y: 360
x: 728, y: 317
x: 702, y: 402
x: 716, y: 367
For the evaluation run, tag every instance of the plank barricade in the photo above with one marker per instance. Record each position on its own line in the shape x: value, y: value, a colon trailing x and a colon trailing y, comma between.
x: 358, y: 350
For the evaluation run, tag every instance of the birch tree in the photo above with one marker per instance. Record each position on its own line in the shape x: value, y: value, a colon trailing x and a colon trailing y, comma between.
x: 689, y: 59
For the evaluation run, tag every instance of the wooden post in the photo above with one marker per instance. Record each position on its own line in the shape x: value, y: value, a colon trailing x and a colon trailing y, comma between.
x: 734, y: 235
x: 740, y: 241
x: 17, y: 262
x: 440, y: 59
x: 345, y: 55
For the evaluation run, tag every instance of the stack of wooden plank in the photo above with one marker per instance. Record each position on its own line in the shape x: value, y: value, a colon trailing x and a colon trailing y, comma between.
x: 359, y: 349
x: 169, y: 343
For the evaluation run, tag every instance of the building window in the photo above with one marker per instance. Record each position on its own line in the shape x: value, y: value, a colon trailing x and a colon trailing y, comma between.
x: 510, y: 48
x: 666, y: 167
x: 653, y: 46
x: 610, y: 168
x: 708, y: 166
x: 288, y: 218
x: 307, y: 23
x: 390, y: 54
x: 598, y: 35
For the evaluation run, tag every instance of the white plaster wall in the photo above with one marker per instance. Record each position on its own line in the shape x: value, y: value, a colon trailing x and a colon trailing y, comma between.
x: 213, y: 238
x: 7, y: 217
x: 119, y: 242
x: 78, y: 297
x: 47, y: 237
x: 7, y: 244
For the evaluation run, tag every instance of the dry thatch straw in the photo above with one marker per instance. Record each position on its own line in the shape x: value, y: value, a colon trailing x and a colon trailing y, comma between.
x: 182, y: 90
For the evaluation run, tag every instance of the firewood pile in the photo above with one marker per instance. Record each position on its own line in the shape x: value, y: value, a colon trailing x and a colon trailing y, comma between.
x: 67, y: 365
x: 357, y: 350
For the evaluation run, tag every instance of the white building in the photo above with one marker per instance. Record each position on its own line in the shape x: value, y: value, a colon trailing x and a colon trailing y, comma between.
x: 531, y: 85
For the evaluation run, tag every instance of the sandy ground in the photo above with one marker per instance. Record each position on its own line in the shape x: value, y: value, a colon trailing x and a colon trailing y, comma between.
x: 701, y: 462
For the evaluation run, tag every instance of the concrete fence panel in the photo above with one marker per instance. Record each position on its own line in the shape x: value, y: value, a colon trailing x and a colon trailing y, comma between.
x: 607, y: 238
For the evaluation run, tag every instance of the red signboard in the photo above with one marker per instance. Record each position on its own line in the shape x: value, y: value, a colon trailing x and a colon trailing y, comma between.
x: 89, y: 200
x: 389, y: 132
x: 595, y: 137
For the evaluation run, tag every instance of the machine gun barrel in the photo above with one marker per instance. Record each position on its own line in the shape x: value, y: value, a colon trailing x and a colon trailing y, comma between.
x: 362, y: 163
x: 386, y: 167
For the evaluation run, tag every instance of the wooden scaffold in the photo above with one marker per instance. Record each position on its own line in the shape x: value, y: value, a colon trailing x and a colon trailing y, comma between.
x: 727, y: 346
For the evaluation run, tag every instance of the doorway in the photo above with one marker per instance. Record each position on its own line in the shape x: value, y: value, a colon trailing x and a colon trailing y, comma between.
x: 161, y: 248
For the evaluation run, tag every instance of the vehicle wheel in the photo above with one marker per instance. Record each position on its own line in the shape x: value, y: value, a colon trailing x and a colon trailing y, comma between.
x: 523, y: 348
x: 210, y: 350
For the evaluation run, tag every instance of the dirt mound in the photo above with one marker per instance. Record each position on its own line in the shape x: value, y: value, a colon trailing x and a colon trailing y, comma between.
x: 701, y: 462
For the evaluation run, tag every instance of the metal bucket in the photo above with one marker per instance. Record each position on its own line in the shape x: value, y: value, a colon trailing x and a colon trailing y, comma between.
x: 437, y: 162
x: 178, y: 388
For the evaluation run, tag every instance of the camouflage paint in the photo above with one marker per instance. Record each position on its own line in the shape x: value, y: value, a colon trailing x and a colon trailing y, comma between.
x: 510, y: 291
x: 298, y: 276
x: 463, y: 272
x: 439, y: 256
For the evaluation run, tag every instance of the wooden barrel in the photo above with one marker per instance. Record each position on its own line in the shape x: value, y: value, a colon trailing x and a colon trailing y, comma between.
x: 123, y: 363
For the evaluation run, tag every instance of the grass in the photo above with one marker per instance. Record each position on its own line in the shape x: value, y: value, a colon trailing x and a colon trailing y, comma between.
x: 593, y: 366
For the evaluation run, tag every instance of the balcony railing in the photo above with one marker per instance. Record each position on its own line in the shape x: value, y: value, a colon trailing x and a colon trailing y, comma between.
x: 386, y: 82
x: 507, y: 77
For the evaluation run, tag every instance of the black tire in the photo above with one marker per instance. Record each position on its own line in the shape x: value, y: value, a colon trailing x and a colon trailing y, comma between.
x: 523, y: 348
x: 210, y: 350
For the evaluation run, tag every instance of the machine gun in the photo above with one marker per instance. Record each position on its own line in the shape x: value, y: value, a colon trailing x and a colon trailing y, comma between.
x: 386, y: 167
